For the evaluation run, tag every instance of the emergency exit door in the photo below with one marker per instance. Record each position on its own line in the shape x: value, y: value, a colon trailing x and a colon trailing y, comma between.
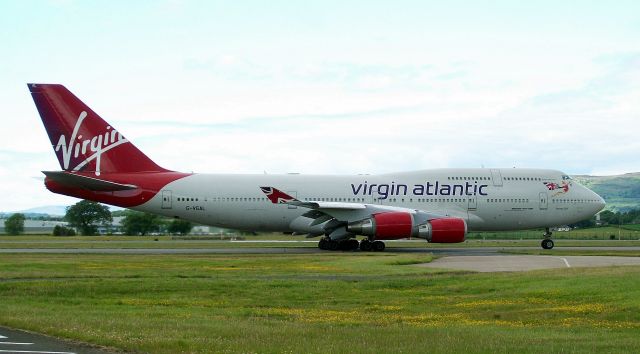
x: 166, y: 199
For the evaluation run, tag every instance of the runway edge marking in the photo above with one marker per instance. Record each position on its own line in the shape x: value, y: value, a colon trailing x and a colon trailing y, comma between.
x: 33, y: 352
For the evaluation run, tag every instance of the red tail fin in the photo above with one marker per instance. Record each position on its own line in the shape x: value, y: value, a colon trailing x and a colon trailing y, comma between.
x: 81, y: 139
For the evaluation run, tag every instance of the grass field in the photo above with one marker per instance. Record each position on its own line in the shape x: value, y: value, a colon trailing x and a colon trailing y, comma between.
x: 322, y: 303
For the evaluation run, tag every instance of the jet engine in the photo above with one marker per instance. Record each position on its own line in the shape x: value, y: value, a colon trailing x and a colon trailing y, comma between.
x: 397, y: 225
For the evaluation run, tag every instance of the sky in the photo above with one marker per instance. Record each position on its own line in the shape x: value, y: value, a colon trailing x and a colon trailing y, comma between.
x: 328, y: 87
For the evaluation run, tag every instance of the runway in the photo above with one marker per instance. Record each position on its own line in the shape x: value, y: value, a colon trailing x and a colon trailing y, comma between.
x: 449, y: 251
x: 17, y: 341
x: 520, y: 263
x: 477, y: 259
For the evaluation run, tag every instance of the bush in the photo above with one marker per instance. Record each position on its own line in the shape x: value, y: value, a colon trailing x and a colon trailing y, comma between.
x: 179, y: 227
x: 63, y: 231
x: 14, y: 225
x: 138, y: 223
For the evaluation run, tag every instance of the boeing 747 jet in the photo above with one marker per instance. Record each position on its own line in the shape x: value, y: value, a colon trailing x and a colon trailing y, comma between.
x: 439, y: 205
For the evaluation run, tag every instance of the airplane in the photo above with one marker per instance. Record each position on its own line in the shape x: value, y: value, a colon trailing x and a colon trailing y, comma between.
x: 98, y: 163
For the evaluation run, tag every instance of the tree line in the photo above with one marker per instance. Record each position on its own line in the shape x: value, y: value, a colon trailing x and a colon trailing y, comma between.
x: 88, y: 218
x: 608, y: 217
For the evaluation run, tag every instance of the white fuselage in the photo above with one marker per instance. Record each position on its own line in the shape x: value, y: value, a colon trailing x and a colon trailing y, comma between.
x: 487, y: 199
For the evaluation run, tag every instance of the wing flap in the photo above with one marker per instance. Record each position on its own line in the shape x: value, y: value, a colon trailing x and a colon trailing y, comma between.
x: 332, y: 205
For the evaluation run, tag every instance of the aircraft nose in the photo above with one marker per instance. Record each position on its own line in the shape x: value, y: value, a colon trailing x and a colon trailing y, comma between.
x: 600, y: 204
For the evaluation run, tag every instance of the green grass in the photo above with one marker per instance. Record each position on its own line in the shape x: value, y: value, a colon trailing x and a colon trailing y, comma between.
x: 632, y: 227
x: 320, y: 303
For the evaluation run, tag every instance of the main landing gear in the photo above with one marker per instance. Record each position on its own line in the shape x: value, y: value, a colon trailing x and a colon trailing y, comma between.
x: 376, y: 246
x: 547, y: 243
x: 350, y: 245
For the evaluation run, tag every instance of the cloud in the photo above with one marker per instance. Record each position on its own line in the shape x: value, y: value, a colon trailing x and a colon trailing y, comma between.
x: 22, y: 184
x: 330, y: 88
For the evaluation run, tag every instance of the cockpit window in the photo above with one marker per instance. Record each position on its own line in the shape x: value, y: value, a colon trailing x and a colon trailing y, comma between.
x: 566, y: 178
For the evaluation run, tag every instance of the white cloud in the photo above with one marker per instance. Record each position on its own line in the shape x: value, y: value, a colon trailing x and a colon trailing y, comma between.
x: 314, y: 90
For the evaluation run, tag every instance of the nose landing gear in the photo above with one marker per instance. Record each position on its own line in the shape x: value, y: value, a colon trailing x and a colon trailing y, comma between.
x: 547, y: 243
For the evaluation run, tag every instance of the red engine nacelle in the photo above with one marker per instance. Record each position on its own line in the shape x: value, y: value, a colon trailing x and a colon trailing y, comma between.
x: 447, y: 230
x: 396, y: 225
x: 392, y: 226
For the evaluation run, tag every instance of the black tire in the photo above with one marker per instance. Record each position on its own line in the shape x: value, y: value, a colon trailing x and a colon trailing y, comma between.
x: 365, y: 245
x: 550, y: 244
x: 547, y: 244
x: 378, y: 246
x: 322, y: 244
x: 334, y: 245
x: 353, y: 244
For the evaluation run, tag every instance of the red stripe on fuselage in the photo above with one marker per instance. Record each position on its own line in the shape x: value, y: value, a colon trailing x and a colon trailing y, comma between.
x: 149, y: 184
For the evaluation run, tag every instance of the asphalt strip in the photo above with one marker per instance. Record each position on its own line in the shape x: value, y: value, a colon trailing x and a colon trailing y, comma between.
x: 18, y: 341
x: 523, y: 263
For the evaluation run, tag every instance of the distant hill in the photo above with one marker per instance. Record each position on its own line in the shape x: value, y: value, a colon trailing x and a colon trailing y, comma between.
x: 621, y: 192
x: 48, y: 211
x: 51, y: 210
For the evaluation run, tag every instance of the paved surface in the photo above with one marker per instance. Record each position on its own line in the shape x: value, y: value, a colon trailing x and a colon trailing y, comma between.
x: 452, y: 251
x: 239, y: 250
x: 525, y: 262
x: 16, y: 341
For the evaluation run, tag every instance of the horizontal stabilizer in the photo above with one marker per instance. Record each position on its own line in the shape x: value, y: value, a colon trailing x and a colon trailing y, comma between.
x: 90, y: 183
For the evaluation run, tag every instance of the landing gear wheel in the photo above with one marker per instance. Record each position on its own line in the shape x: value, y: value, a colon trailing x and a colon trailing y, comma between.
x: 547, y: 243
x: 345, y: 245
x: 353, y: 244
x: 365, y: 245
x: 378, y: 246
x: 334, y: 245
x: 323, y: 244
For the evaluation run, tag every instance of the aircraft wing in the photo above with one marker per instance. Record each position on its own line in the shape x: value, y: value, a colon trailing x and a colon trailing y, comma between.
x: 339, y: 221
x: 345, y: 212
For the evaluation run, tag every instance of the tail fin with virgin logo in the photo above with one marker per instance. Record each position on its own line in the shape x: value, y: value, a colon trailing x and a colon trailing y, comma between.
x: 82, y: 141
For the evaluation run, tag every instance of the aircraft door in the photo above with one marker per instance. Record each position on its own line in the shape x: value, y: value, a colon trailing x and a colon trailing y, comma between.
x: 543, y: 201
x: 166, y: 199
x: 473, y: 202
x: 496, y: 177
